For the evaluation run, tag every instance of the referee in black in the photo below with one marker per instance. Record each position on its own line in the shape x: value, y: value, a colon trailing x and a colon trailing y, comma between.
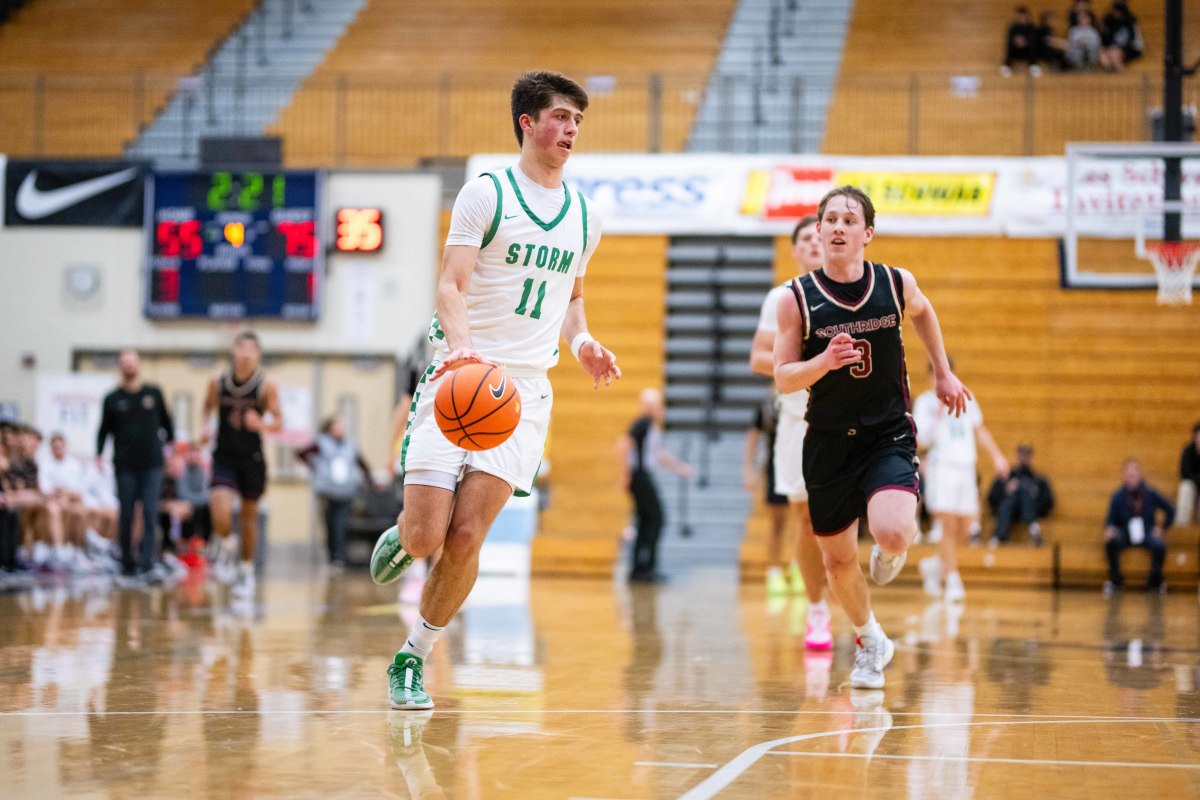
x: 136, y: 416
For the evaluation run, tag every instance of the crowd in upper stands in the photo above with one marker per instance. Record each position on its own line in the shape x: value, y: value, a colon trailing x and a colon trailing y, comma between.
x: 1089, y: 43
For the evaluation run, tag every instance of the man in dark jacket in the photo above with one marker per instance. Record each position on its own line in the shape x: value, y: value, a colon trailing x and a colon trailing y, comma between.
x: 1133, y: 521
x: 1025, y: 495
x: 136, y: 416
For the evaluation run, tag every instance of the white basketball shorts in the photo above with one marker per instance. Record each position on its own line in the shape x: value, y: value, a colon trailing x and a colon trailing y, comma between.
x: 515, y: 461
x: 789, y: 458
x: 951, y: 489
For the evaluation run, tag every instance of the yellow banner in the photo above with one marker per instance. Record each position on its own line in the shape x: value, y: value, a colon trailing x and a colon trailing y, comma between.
x: 963, y: 194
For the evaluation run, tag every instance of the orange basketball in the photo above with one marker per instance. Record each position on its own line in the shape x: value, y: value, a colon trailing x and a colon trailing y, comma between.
x: 477, y: 406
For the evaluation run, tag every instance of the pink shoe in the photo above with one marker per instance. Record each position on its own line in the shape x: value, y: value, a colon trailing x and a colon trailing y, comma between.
x: 818, y: 636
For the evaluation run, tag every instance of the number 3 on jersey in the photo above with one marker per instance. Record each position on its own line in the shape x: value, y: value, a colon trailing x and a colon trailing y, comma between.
x: 537, y: 307
x: 863, y: 368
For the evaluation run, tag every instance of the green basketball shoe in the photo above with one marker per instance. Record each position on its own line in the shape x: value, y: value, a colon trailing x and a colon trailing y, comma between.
x: 406, y: 683
x: 388, y: 560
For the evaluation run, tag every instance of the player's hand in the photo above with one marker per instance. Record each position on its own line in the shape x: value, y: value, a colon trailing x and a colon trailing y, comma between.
x: 841, y: 352
x: 1156, y: 532
x: 1001, y: 466
x: 252, y: 421
x: 458, y: 358
x: 953, y: 393
x: 599, y: 362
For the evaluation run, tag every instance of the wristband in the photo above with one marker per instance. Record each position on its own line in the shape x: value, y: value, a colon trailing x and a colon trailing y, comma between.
x: 579, y: 341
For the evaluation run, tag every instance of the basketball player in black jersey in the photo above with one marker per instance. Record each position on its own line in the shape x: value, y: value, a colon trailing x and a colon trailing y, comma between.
x: 839, y: 336
x: 242, y: 398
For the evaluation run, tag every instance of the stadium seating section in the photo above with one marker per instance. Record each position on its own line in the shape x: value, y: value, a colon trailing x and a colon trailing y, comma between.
x: 107, y: 68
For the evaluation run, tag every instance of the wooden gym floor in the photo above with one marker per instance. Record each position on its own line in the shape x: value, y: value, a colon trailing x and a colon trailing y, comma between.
x: 561, y: 688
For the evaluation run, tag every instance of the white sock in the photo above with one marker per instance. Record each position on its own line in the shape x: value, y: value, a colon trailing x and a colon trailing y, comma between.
x: 820, y: 608
x: 871, y: 630
x: 421, y: 638
x: 247, y: 569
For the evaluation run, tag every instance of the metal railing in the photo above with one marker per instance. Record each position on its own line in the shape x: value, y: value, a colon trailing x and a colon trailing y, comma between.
x: 347, y: 120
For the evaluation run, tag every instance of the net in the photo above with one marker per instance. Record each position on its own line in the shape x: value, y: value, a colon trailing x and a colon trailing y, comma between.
x: 1175, y: 268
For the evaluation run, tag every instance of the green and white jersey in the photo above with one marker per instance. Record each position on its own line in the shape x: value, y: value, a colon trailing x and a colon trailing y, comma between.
x: 533, y: 243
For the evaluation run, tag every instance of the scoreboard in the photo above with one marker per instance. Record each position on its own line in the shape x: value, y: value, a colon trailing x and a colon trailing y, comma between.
x: 233, y: 245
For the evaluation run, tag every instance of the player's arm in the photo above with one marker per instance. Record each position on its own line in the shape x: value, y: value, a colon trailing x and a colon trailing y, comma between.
x: 625, y: 447
x: 950, y: 390
x: 211, y: 400
x: 762, y: 353
x: 983, y: 437
x: 596, y: 359
x: 791, y: 373
x: 458, y: 265
x: 271, y: 401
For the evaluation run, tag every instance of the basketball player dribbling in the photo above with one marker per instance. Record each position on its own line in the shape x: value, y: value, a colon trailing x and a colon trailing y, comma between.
x: 241, y: 397
x: 511, y: 286
x: 789, y: 440
x: 839, y: 335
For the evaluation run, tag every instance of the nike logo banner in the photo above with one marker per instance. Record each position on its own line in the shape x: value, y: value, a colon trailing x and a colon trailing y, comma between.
x: 74, y: 193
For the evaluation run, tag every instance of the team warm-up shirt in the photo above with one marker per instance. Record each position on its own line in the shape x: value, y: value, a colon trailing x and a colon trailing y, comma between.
x: 950, y: 439
x: 534, y: 242
x: 874, y: 391
x: 139, y: 423
x: 793, y: 404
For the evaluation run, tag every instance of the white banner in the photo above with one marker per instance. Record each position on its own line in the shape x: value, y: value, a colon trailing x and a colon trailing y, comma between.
x: 70, y: 404
x: 913, y: 196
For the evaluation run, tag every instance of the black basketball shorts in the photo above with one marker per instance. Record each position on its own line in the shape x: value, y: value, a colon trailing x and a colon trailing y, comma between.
x: 245, y: 474
x: 844, y: 468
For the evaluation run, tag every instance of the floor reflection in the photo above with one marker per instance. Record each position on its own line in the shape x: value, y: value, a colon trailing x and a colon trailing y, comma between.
x: 581, y: 688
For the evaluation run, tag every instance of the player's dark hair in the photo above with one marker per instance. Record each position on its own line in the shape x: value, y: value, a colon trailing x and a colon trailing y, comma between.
x: 535, y: 91
x: 805, y: 221
x: 247, y: 336
x: 1195, y: 429
x: 854, y: 193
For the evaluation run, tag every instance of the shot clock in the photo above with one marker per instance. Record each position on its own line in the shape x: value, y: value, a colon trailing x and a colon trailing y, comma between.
x: 233, y: 245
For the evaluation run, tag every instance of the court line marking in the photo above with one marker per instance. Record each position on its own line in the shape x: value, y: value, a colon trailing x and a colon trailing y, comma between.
x: 734, y: 768
x: 983, y: 760
x: 1013, y: 719
x: 673, y: 764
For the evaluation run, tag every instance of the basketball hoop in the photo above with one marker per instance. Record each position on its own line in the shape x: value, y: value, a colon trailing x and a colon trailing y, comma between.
x: 1175, y: 267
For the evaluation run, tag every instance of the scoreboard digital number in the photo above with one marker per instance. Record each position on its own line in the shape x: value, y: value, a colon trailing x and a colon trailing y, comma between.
x: 233, y: 245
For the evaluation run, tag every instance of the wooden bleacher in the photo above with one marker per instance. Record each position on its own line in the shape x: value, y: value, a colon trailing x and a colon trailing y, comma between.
x: 625, y: 289
x: 433, y: 80
x: 1088, y: 377
x: 872, y: 108
x: 89, y: 57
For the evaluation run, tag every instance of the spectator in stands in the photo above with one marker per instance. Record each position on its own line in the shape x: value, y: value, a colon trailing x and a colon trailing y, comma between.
x: 1121, y: 37
x: 1189, y: 478
x: 1084, y: 45
x: 62, y: 478
x: 1021, y: 44
x: 1078, y: 8
x: 43, y: 532
x: 1134, y: 521
x: 176, y: 517
x: 11, y: 572
x: 192, y: 487
x: 136, y: 416
x: 1024, y: 494
x: 1052, y: 48
x: 640, y: 451
x: 336, y: 464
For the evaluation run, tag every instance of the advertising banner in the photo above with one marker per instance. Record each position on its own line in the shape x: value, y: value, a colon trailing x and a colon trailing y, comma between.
x: 913, y: 196
x: 74, y: 193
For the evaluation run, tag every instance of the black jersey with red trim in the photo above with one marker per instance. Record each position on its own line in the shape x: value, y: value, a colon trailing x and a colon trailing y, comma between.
x: 874, y: 391
x: 235, y: 399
